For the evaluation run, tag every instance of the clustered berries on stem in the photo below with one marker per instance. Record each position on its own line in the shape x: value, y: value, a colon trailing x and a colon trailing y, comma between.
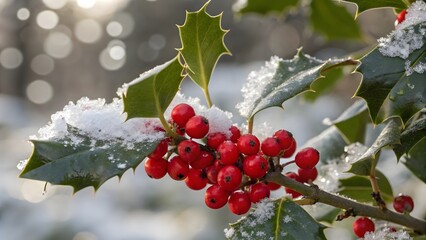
x: 234, y: 164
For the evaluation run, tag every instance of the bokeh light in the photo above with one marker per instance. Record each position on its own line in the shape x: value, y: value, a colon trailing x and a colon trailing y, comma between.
x: 86, y: 3
x: 157, y: 41
x: 55, y: 4
x: 39, y: 92
x: 146, y: 53
x: 114, y: 56
x: 284, y: 35
x: 114, y: 28
x: 58, y: 45
x: 11, y: 58
x: 88, y: 31
x: 42, y: 64
x: 47, y: 19
x: 23, y: 14
x: 32, y: 191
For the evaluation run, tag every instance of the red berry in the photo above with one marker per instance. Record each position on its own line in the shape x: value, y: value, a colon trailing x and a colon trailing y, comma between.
x: 212, y: 172
x: 239, y: 202
x: 178, y: 169
x: 403, y: 204
x: 307, y: 158
x: 189, y: 150
x: 235, y: 134
x: 290, y: 151
x: 271, y: 147
x: 215, y: 139
x: 229, y: 178
x: 228, y: 153
x: 292, y: 192
x: 307, y: 175
x: 285, y: 138
x: 205, y: 160
x: 248, y: 144
x: 197, y: 127
x: 216, y: 197
x: 293, y: 176
x: 196, y: 179
x: 160, y: 150
x: 259, y: 191
x: 273, y: 186
x: 363, y: 225
x: 156, y: 167
x: 255, y: 166
x: 401, y: 17
x: 181, y: 113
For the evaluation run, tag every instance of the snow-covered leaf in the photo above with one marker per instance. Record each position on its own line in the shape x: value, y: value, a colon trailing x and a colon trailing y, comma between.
x: 277, y: 219
x: 415, y: 160
x: 410, y: 137
x: 359, y: 188
x: 149, y: 95
x: 260, y: 7
x: 352, y: 122
x: 396, y: 86
x: 202, y: 45
x: 91, y: 162
x: 389, y: 136
x: 333, y: 20
x: 364, y: 5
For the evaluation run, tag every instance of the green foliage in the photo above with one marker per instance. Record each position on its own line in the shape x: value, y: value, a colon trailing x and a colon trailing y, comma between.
x: 273, y: 6
x: 410, y: 137
x: 364, y: 5
x: 85, y: 164
x: 286, y: 220
x: 387, y: 88
x: 416, y: 161
x: 202, y: 45
x: 352, y: 122
x: 324, y: 85
x: 359, y: 188
x: 333, y: 20
x: 150, y: 94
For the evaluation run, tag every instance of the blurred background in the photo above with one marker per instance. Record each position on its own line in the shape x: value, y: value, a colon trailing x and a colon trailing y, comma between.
x: 56, y: 51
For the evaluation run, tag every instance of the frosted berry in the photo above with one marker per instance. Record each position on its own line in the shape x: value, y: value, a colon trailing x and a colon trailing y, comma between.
x: 156, y: 167
x: 403, y: 204
x: 205, y: 160
x: 271, y: 147
x: 401, y: 17
x: 248, y: 144
x: 290, y: 151
x: 229, y: 178
x: 160, y: 150
x: 273, y: 186
x: 235, y: 134
x: 215, y: 139
x: 228, y: 153
x: 177, y: 168
x: 239, y: 202
x: 255, y: 166
x: 362, y: 225
x: 216, y: 197
x: 307, y: 158
x: 197, y: 127
x: 259, y: 191
x: 189, y: 150
x: 196, y: 179
x: 307, y: 175
x: 285, y: 138
x: 181, y: 113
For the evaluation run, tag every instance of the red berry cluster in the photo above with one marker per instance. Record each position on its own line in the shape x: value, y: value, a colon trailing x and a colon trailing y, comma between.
x: 234, y: 165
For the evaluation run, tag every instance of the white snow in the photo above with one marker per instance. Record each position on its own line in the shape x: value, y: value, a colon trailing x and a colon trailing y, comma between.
x: 420, y: 67
x: 229, y: 232
x: 263, y: 211
x: 238, y: 5
x: 404, y: 40
x: 386, y: 234
x: 287, y: 219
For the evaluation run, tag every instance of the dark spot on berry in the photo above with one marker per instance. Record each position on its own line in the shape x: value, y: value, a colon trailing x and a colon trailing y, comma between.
x: 205, y: 121
x: 262, y: 165
x: 212, y: 200
x: 188, y: 149
x: 203, y: 174
x: 180, y: 175
x: 252, y: 143
x: 228, y: 178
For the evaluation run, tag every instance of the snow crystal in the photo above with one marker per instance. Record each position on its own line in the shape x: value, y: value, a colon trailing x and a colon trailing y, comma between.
x: 121, y: 165
x: 21, y: 165
x: 229, y: 232
x: 287, y: 219
x: 420, y: 67
x: 99, y: 121
x: 405, y: 39
x: 256, y: 82
x: 264, y: 210
x: 387, y: 234
x: 260, y: 234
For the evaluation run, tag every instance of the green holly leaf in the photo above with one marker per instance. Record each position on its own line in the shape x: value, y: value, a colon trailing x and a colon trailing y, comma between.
x: 324, y: 85
x: 389, y: 136
x: 387, y: 87
x: 353, y: 122
x: 329, y: 143
x: 277, y: 219
x: 333, y: 20
x: 149, y: 95
x: 202, y: 45
x: 260, y: 7
x: 359, y: 188
x: 89, y: 163
x: 410, y: 137
x: 364, y: 5
x: 280, y: 80
x: 415, y: 160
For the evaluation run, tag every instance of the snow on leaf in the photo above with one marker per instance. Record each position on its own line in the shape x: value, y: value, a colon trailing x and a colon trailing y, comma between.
x: 274, y: 219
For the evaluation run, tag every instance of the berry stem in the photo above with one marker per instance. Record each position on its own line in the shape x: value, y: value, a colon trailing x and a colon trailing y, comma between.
x: 207, y: 96
x: 250, y: 125
x: 166, y: 126
x: 359, y: 209
x: 287, y: 163
x: 376, y: 190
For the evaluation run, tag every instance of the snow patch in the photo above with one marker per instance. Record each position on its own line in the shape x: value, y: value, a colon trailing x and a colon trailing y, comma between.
x: 387, y: 234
